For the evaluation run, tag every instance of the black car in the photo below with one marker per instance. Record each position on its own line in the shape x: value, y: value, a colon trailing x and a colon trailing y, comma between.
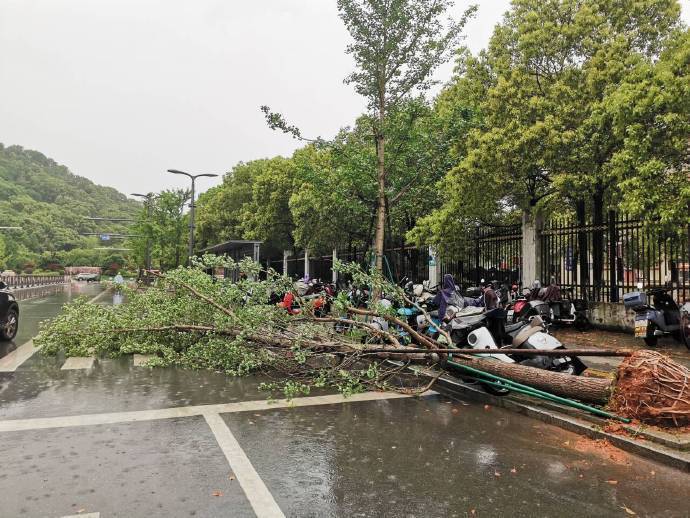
x: 9, y: 314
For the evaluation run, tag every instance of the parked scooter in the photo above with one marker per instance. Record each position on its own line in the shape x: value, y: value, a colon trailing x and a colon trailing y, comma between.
x: 489, y: 331
x: 659, y: 317
x: 570, y: 311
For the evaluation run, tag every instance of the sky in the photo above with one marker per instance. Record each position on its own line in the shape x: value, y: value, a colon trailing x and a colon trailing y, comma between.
x: 120, y: 91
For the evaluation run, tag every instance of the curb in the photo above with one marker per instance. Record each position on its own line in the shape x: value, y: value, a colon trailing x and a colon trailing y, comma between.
x: 588, y: 426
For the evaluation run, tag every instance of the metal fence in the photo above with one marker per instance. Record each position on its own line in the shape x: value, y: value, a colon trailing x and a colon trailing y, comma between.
x: 29, y: 281
x: 602, y: 262
x: 492, y: 253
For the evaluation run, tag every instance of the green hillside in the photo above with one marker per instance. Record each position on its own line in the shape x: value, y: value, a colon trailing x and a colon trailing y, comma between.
x: 50, y: 203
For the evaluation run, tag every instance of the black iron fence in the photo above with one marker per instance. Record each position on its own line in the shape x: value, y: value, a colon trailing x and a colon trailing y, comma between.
x: 597, y: 262
x: 492, y: 253
x: 602, y: 262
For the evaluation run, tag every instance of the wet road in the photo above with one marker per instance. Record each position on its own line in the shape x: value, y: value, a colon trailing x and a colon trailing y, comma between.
x: 120, y: 440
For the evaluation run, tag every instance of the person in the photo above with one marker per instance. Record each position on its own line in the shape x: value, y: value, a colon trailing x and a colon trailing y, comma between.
x: 536, y: 291
x: 552, y: 293
x: 514, y: 293
x: 447, y: 296
x: 490, y: 297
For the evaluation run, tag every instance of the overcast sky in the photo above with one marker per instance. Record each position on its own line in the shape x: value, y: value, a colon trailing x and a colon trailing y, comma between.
x: 121, y: 90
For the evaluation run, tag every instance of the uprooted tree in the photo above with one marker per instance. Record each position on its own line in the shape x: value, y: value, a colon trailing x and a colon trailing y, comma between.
x: 190, y: 319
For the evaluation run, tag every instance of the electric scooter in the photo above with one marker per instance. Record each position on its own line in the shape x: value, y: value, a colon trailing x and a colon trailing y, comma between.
x: 660, y: 317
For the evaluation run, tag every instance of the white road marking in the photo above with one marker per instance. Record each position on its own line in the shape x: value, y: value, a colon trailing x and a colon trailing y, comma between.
x: 42, y: 423
x: 257, y: 493
x: 12, y: 361
x: 83, y: 515
x: 78, y: 362
x: 141, y: 359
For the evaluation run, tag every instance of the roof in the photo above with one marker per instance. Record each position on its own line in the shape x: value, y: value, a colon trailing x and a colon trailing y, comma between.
x: 232, y: 245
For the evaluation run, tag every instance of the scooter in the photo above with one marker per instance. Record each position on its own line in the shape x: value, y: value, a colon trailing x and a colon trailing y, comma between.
x: 663, y: 316
x: 570, y: 311
x: 488, y: 331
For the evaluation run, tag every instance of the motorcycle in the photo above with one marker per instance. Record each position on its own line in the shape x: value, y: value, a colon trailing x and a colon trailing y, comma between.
x: 660, y: 317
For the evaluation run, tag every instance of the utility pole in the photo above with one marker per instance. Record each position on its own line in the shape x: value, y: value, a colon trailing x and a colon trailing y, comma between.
x: 193, y: 177
x: 148, y: 203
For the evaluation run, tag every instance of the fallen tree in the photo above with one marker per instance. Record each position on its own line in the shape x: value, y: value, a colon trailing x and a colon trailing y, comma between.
x: 192, y: 320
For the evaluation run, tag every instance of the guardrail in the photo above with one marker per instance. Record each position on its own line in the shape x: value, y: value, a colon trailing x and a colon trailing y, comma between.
x: 30, y: 281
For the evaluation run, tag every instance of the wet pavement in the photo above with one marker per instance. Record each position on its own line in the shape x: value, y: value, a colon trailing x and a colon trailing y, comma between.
x: 121, y: 440
x: 600, y: 339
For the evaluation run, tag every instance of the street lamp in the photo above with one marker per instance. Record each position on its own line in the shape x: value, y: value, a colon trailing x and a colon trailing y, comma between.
x: 191, y: 208
x: 149, y: 198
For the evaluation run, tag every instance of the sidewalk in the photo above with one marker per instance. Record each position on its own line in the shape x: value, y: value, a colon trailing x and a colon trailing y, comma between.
x: 599, y: 339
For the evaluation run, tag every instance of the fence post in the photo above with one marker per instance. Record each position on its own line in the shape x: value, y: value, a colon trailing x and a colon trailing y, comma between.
x: 477, y: 249
x: 334, y: 274
x: 434, y: 267
x: 531, y: 247
x: 306, y: 263
x: 613, y: 267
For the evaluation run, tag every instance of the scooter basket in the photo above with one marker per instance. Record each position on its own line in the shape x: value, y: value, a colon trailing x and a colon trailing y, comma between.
x: 635, y: 299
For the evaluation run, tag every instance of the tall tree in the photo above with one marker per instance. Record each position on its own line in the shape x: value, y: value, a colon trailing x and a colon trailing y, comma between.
x: 397, y: 46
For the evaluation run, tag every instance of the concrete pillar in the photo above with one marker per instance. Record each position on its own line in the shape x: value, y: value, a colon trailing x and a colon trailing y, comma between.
x: 286, y: 254
x: 257, y: 252
x: 306, y: 263
x: 334, y: 274
x: 434, y: 267
x: 532, y: 225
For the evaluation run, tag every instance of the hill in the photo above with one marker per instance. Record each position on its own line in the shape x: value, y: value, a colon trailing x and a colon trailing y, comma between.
x: 50, y: 203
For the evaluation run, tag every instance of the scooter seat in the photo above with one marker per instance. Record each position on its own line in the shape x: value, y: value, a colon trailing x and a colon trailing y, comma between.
x: 468, y: 321
x: 511, y: 328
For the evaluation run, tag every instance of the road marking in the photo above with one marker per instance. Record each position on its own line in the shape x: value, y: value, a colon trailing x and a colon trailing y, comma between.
x: 78, y: 362
x: 83, y: 515
x: 12, y: 361
x: 141, y: 359
x: 42, y: 423
x: 257, y: 493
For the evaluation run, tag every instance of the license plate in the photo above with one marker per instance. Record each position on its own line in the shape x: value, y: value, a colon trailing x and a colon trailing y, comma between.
x: 640, y: 328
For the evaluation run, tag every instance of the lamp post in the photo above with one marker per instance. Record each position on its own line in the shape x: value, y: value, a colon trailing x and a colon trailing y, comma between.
x: 149, y: 198
x: 193, y: 177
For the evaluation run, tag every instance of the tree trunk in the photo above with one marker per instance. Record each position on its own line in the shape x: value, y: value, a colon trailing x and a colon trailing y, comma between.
x: 379, y: 240
x: 591, y: 390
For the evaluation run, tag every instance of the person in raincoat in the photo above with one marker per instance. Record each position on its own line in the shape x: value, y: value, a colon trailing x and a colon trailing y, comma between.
x: 448, y: 296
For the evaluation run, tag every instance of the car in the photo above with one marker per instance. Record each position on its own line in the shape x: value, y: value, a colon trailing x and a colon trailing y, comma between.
x: 9, y: 314
x: 88, y: 277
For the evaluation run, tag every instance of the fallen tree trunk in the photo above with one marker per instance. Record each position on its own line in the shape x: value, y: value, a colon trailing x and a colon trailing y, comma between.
x: 592, y: 390
x: 523, y: 352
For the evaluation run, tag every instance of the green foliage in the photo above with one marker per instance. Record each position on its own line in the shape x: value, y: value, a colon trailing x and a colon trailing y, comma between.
x: 163, y: 224
x: 182, y: 328
x: 49, y: 204
x: 565, y: 95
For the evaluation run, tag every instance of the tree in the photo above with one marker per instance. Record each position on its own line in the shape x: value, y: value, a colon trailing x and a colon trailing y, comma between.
x: 543, y: 87
x: 397, y: 45
x: 650, y: 112
x: 165, y: 226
